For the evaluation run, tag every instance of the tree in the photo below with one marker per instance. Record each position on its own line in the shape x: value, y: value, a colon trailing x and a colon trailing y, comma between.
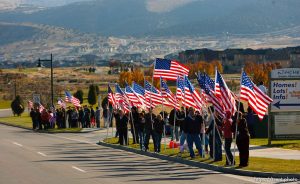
x: 17, y: 106
x: 97, y: 90
x: 92, y: 95
x: 125, y: 77
x: 79, y: 95
x: 138, y: 76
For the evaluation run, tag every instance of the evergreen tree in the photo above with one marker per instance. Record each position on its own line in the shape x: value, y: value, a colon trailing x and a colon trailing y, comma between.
x: 17, y: 106
x: 92, y: 95
x: 79, y: 95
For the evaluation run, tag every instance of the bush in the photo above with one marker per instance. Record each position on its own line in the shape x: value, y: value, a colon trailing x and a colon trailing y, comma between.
x: 17, y: 106
x: 92, y: 95
x: 79, y: 95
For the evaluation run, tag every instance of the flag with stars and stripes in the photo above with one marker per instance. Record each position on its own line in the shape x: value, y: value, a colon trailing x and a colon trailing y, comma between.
x: 169, y: 69
x: 71, y: 99
x: 224, y: 94
x: 191, y: 96
x: 208, y: 85
x: 167, y: 94
x: 132, y: 96
x: 111, y: 97
x: 180, y: 88
x: 258, y: 101
x: 122, y: 99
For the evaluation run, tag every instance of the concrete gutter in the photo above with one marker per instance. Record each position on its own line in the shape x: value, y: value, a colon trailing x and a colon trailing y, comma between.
x: 204, y: 165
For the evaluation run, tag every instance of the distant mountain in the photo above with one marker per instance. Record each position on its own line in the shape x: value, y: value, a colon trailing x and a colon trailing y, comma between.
x: 184, y: 18
x: 16, y: 33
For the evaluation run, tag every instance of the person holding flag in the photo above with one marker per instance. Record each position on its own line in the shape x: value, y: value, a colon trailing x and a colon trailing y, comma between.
x: 122, y: 126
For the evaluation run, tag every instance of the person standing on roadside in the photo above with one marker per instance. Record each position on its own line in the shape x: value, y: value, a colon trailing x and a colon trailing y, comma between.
x: 242, y: 141
x: 192, y: 128
x: 227, y: 130
x: 33, y: 118
x: 97, y: 117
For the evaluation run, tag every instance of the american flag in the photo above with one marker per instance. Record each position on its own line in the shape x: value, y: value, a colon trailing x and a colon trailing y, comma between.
x: 224, y: 94
x: 191, y: 96
x: 61, y: 103
x: 169, y: 69
x: 132, y: 96
x: 30, y: 104
x: 167, y: 94
x: 180, y: 88
x: 258, y: 101
x: 208, y: 85
x: 153, y: 96
x: 71, y: 99
x: 111, y: 96
x: 122, y: 99
x: 139, y: 91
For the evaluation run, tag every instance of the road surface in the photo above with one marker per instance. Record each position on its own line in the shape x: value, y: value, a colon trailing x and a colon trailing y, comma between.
x: 34, y: 158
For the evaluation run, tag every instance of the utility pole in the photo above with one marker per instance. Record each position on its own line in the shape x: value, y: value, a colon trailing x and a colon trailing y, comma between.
x: 51, y: 66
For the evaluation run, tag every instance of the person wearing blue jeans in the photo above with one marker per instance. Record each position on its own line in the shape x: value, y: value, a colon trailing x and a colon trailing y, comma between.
x: 192, y: 129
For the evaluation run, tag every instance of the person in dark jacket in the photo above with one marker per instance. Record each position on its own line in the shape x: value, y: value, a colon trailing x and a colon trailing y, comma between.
x: 192, y: 129
x: 69, y: 115
x: 97, y: 117
x: 122, y: 123
x: 33, y: 118
x: 214, y: 130
x: 149, y: 129
x: 134, y: 123
x: 242, y: 140
x: 158, y: 130
x: 141, y: 130
x: 250, y: 121
x: 81, y: 118
x: 87, y: 117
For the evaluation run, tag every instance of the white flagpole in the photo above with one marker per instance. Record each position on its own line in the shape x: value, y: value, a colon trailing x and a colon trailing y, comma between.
x: 174, y: 123
x: 237, y: 118
x: 162, y: 107
x: 107, y: 114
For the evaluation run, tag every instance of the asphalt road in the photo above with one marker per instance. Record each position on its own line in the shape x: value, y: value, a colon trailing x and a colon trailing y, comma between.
x: 5, y: 112
x: 34, y: 158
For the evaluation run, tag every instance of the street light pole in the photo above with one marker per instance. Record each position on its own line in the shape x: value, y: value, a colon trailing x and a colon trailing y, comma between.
x: 51, y: 65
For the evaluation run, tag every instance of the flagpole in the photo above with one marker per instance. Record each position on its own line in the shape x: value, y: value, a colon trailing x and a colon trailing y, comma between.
x: 162, y: 107
x: 174, y: 123
x: 151, y: 95
x: 203, y: 136
x: 214, y: 131
x: 107, y: 114
x: 237, y: 118
x: 134, y: 137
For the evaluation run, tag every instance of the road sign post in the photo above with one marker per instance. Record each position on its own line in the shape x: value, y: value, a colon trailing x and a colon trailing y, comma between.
x: 284, y: 114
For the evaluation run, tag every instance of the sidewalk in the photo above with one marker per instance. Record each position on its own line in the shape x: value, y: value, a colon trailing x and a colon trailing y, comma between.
x: 255, y: 151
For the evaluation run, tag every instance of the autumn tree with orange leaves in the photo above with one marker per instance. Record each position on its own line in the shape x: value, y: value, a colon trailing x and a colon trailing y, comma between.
x: 260, y: 72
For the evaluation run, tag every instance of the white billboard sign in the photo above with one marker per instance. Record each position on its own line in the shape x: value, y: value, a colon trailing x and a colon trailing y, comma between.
x: 285, y: 95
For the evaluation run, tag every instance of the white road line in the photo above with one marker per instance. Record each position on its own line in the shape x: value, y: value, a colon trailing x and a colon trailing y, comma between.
x: 44, y: 155
x: 15, y: 143
x: 78, y: 169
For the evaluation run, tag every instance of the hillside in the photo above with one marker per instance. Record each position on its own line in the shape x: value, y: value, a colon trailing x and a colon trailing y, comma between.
x: 196, y: 18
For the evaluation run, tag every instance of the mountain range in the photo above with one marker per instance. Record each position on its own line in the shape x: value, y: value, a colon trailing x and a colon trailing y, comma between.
x: 165, y: 18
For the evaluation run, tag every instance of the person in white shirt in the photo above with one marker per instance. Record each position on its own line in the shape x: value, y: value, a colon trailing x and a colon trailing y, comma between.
x: 262, y: 87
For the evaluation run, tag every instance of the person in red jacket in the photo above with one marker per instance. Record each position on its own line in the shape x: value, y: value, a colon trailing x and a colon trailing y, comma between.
x: 227, y: 132
x: 45, y: 119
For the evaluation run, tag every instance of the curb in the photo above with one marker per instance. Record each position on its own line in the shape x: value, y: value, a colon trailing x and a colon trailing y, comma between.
x: 204, y: 165
x: 46, y: 132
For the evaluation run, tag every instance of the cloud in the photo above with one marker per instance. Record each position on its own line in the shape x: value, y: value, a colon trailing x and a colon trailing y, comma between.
x: 160, y: 6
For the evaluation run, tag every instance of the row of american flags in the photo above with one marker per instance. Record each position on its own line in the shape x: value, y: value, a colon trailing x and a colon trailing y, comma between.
x: 212, y: 92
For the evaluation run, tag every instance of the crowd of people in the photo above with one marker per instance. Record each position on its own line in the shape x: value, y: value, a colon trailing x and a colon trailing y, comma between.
x: 72, y: 117
x: 204, y: 131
